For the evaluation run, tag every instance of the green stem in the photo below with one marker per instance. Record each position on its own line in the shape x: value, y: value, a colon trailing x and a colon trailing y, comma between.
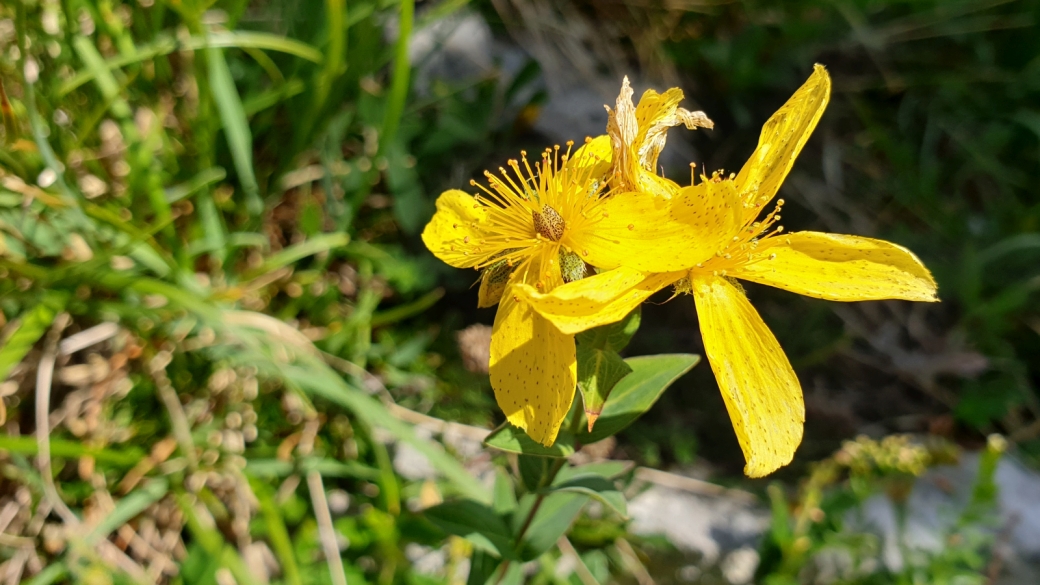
x: 574, y: 424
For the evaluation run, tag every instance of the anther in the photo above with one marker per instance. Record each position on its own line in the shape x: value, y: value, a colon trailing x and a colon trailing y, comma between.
x: 549, y: 224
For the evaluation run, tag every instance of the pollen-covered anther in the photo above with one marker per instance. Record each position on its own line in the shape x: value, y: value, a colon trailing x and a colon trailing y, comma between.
x: 549, y: 223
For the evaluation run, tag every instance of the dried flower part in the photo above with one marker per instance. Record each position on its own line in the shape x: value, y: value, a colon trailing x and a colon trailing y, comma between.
x: 638, y: 135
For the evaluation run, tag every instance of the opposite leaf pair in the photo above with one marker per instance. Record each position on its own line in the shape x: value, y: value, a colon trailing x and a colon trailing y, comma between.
x: 645, y: 233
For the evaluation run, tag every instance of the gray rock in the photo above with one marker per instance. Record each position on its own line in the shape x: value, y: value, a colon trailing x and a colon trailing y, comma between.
x: 710, y: 526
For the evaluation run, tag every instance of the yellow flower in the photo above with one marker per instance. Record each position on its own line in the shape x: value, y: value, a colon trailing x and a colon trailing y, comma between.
x: 760, y: 389
x: 541, y: 227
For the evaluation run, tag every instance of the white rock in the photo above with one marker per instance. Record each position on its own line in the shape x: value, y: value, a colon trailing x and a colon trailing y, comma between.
x: 411, y: 464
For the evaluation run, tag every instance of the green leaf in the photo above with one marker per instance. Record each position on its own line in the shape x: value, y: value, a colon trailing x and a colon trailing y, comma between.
x: 613, y: 337
x: 600, y: 367
x: 598, y: 372
x: 514, y: 440
x: 481, y: 568
x: 505, y: 497
x: 637, y: 392
x: 553, y: 518
x: 597, y: 487
x: 605, y: 469
x: 236, y: 127
x: 411, y: 207
x: 33, y: 325
x: 475, y: 522
x: 533, y: 471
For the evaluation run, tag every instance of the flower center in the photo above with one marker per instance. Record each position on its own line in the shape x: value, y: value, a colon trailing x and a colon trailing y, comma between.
x: 549, y: 223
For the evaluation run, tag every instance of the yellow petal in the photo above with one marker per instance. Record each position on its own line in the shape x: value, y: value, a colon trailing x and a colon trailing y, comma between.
x: 782, y: 138
x: 655, y: 114
x: 840, y: 268
x: 760, y: 389
x: 656, y: 186
x: 533, y: 370
x: 595, y: 155
x: 454, y: 230
x: 654, y: 234
x: 597, y: 300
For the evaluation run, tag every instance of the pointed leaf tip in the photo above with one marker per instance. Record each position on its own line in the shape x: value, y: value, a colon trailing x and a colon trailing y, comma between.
x: 592, y: 417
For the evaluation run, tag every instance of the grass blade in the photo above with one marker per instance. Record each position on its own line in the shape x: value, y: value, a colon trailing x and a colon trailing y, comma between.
x: 102, y: 75
x: 71, y: 450
x: 34, y: 324
x: 292, y: 254
x: 278, y: 534
x: 402, y: 73
x: 236, y: 127
x: 197, y: 183
x: 326, y: 384
x: 165, y: 45
x: 128, y: 508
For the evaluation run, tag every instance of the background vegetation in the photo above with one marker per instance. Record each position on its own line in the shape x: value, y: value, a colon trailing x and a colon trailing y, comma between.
x: 213, y: 295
